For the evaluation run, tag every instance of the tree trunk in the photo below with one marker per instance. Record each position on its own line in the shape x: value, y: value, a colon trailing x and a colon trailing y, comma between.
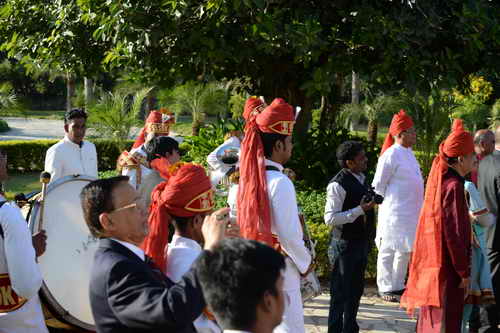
x: 88, y: 86
x: 70, y: 90
x: 372, y: 132
x: 354, y: 95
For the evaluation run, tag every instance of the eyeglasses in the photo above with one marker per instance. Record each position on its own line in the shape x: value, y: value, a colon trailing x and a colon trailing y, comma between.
x: 137, y: 204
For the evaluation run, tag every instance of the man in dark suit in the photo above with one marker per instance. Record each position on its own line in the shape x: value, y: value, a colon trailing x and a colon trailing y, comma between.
x: 489, y: 187
x: 127, y: 293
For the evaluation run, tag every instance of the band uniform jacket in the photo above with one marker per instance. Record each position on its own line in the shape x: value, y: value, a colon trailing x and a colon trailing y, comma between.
x: 127, y: 295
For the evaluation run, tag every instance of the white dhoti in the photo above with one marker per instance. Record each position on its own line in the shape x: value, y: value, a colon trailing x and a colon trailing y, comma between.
x: 293, y: 317
x: 391, y: 269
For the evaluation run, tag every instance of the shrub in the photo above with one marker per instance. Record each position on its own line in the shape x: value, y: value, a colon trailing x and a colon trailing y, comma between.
x: 315, y: 167
x: 4, y: 127
x: 29, y: 155
x: 196, y: 148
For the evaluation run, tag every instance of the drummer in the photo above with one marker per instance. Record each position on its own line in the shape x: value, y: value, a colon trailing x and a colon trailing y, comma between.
x: 134, y: 164
x: 72, y: 155
x: 20, y: 277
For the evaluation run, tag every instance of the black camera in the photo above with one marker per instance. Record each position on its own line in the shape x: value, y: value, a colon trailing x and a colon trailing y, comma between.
x: 370, y: 195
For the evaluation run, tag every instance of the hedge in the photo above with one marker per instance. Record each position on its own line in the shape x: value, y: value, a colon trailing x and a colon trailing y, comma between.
x: 29, y: 155
x: 4, y: 127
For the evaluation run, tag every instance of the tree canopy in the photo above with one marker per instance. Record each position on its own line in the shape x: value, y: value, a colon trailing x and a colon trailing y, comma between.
x: 295, y: 49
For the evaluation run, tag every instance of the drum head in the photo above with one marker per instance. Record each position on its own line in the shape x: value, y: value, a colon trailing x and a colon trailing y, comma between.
x: 67, y: 261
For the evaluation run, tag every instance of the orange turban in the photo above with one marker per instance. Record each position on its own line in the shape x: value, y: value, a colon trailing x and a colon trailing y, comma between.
x: 158, y: 122
x: 188, y: 192
x: 253, y: 106
x: 254, y: 214
x: 400, y: 122
x: 425, y: 267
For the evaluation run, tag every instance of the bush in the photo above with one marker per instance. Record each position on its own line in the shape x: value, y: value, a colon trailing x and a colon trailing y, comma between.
x: 315, y: 167
x: 29, y: 155
x: 196, y: 148
x: 4, y: 127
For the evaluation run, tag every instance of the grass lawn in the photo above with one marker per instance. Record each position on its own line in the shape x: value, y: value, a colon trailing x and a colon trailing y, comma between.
x: 22, y: 182
x: 49, y: 114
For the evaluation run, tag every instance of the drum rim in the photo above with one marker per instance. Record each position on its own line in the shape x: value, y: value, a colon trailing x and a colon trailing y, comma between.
x: 54, y: 307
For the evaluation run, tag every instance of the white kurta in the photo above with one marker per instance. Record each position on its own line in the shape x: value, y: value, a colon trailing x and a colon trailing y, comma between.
x: 286, y: 225
x: 17, y: 259
x: 67, y: 158
x: 132, y: 172
x: 399, y: 180
x: 212, y: 157
x: 181, y: 254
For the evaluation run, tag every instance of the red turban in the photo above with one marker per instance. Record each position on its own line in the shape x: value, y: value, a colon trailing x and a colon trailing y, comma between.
x: 254, y: 214
x: 158, y: 122
x: 425, y: 267
x: 253, y: 106
x: 188, y: 192
x: 400, y: 122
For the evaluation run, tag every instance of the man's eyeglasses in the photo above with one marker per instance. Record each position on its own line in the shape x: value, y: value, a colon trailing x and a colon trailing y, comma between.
x: 137, y: 204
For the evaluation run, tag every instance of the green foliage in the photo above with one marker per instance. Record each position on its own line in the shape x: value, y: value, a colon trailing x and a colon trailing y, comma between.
x: 495, y: 114
x: 9, y: 103
x: 4, y: 127
x: 114, y: 115
x: 108, y: 173
x: 29, y: 155
x: 236, y: 105
x: 210, y: 137
x: 315, y: 167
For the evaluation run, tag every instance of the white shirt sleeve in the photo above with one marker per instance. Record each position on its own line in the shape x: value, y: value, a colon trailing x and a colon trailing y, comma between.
x: 385, y: 170
x: 212, y: 159
x: 53, y: 164
x: 24, y: 273
x: 95, y: 170
x: 335, y: 196
x: 287, y: 223
x: 131, y: 173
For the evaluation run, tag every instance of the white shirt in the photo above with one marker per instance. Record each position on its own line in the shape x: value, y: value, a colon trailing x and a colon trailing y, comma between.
x: 286, y: 225
x: 235, y: 331
x: 137, y: 250
x: 132, y: 172
x: 335, y: 196
x: 399, y: 180
x: 68, y: 158
x: 17, y: 258
x: 181, y: 254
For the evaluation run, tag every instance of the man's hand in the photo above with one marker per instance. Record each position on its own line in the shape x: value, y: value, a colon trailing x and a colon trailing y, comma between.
x: 214, y: 227
x: 366, y: 206
x: 39, y: 242
x: 232, y: 229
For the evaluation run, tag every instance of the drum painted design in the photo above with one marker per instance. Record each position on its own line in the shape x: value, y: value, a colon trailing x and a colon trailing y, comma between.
x: 67, y: 262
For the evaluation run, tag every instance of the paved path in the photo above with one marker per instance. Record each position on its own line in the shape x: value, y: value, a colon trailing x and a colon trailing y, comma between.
x: 37, y: 129
x: 374, y: 316
x: 33, y: 129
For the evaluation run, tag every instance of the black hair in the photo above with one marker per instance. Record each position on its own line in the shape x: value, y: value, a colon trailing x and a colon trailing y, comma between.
x: 160, y: 145
x: 181, y: 223
x: 96, y: 198
x: 234, y: 277
x: 269, y: 141
x: 74, y: 114
x: 347, y: 151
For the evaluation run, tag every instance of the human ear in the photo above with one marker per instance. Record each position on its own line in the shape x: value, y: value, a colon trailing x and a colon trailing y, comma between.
x: 106, y: 222
x: 66, y: 128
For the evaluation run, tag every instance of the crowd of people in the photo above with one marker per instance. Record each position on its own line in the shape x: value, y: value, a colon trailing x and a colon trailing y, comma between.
x: 239, y: 269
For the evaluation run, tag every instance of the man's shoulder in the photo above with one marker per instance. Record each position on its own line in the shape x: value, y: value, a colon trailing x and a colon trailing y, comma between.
x: 57, y: 146
x: 111, y: 261
x: 88, y: 144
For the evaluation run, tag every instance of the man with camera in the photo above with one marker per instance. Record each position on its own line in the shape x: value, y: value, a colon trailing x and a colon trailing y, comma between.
x: 349, y: 211
x: 399, y: 180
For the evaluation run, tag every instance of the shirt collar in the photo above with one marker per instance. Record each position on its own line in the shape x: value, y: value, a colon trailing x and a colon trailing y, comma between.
x: 67, y: 140
x: 137, y: 251
x: 359, y: 176
x: 274, y: 164
x: 187, y: 242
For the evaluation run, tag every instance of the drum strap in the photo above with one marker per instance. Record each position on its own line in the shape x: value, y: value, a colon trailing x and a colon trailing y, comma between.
x: 1, y: 230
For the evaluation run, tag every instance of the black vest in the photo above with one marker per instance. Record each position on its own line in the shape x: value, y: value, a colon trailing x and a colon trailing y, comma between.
x: 364, y: 226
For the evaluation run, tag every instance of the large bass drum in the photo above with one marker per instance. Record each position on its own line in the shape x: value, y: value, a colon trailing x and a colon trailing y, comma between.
x: 67, y: 261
